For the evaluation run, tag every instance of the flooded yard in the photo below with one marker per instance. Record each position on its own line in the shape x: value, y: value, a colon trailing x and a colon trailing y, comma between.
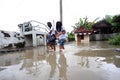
x: 93, y: 61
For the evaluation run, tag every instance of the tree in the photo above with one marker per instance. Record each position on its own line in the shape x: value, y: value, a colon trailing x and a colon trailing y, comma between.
x: 84, y: 23
x: 114, y: 21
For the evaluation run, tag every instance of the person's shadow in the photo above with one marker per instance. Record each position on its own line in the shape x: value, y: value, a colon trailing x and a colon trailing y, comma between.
x: 62, y: 66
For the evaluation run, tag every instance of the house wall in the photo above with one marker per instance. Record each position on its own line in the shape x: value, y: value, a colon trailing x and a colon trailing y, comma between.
x: 78, y: 38
x: 34, y: 33
x: 86, y: 39
x: 40, y: 40
x: 35, y: 39
x: 28, y: 40
x: 100, y: 37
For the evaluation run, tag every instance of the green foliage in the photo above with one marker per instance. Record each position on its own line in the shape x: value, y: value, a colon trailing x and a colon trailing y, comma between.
x: 92, y: 23
x: 71, y: 36
x: 116, y: 24
x: 114, y: 21
x: 108, y: 18
x: 92, y: 38
x: 115, y: 41
x: 77, y: 25
x: 84, y: 23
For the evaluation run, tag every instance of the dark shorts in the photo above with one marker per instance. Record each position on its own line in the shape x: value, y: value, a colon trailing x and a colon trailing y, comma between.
x: 61, y: 42
x: 52, y: 42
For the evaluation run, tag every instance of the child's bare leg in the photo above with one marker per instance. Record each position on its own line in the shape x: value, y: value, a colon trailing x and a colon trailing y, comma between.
x: 63, y: 47
x: 54, y: 48
x: 50, y: 46
x: 60, y: 48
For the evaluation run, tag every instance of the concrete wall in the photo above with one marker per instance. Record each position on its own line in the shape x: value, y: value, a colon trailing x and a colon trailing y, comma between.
x: 10, y: 39
x: 28, y: 40
x: 84, y: 40
x: 100, y: 37
x: 39, y: 40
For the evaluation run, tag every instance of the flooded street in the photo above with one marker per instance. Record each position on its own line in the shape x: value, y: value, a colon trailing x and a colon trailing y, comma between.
x: 93, y: 61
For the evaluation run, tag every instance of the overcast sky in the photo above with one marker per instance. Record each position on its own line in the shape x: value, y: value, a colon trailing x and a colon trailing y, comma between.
x: 14, y: 12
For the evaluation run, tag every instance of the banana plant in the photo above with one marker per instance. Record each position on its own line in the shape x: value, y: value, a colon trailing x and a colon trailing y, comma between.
x: 90, y: 24
x: 86, y: 24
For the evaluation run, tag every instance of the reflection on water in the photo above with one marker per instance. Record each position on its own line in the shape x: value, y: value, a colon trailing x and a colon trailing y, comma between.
x: 33, y: 60
x: 108, y: 56
x: 62, y: 67
x: 97, y: 61
x: 52, y: 62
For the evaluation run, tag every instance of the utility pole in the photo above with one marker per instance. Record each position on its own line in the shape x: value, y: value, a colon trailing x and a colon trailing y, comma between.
x: 61, y: 16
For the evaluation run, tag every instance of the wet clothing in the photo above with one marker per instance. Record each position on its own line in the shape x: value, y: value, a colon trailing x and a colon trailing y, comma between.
x: 61, y: 42
x: 52, y: 30
x: 51, y: 39
x: 62, y: 39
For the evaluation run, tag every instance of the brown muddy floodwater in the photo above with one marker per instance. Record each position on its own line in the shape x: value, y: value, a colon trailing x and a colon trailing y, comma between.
x: 93, y: 61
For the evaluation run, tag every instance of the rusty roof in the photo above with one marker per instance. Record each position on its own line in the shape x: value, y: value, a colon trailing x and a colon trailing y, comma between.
x: 82, y: 30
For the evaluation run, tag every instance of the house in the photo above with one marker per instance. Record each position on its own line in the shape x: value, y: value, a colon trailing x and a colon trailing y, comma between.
x: 34, y: 33
x: 82, y: 35
x: 103, y: 30
x: 102, y: 27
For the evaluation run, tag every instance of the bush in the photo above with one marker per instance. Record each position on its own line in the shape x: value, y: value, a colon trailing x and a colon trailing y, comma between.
x: 115, y: 41
x: 92, y: 38
x: 71, y: 37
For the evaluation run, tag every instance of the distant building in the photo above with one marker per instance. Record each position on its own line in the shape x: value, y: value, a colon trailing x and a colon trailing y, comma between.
x: 102, y: 27
x: 82, y: 35
x: 34, y: 33
x: 103, y: 30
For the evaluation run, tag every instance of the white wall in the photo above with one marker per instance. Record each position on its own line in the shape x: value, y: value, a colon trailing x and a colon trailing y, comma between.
x: 14, y: 38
